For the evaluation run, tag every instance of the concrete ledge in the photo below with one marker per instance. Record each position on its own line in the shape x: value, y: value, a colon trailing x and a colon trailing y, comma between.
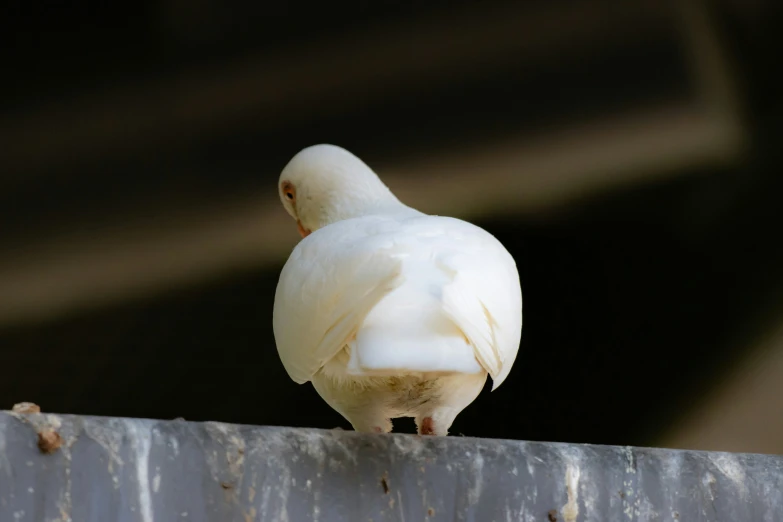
x: 89, y: 469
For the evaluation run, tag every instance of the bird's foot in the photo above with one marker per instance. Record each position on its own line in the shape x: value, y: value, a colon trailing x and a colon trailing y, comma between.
x: 427, y: 426
x: 383, y: 426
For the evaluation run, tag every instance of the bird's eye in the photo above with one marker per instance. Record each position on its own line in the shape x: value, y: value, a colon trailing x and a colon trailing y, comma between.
x: 288, y: 190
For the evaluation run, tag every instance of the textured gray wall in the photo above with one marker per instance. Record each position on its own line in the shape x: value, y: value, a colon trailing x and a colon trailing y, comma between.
x: 125, y: 470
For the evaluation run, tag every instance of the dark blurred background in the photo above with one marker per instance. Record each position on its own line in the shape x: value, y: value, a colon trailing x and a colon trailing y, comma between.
x: 626, y: 153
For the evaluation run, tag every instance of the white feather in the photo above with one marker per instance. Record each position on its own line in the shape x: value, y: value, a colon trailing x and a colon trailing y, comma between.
x: 419, y: 293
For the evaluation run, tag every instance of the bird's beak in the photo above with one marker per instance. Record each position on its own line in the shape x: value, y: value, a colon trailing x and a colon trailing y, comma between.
x: 302, y: 230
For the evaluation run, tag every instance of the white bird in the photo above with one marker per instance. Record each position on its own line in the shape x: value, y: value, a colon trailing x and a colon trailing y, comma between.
x: 388, y: 311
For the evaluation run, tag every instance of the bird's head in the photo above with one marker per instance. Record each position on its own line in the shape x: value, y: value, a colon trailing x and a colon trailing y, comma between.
x: 323, y: 184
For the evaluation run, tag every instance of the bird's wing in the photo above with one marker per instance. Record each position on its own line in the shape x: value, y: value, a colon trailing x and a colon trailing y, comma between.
x: 331, y: 281
x: 484, y: 298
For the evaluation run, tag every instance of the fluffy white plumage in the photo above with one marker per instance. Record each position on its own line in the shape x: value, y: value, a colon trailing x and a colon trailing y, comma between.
x: 389, y: 312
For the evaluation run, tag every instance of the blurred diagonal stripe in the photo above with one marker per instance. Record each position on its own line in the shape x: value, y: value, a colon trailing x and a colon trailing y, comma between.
x: 293, y: 84
x: 517, y: 176
x: 744, y: 412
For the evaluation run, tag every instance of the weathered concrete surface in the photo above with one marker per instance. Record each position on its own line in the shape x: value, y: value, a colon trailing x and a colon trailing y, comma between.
x: 125, y: 470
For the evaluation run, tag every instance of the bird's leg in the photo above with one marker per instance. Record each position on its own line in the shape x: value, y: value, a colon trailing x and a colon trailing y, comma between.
x: 372, y: 426
x: 436, y: 422
x: 426, y: 426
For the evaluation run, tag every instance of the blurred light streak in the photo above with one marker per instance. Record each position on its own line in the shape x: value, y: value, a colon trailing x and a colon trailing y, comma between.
x: 744, y: 411
x: 293, y: 84
x: 518, y: 176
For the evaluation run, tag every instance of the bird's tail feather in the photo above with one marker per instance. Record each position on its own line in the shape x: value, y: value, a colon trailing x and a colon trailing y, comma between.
x: 379, y: 351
